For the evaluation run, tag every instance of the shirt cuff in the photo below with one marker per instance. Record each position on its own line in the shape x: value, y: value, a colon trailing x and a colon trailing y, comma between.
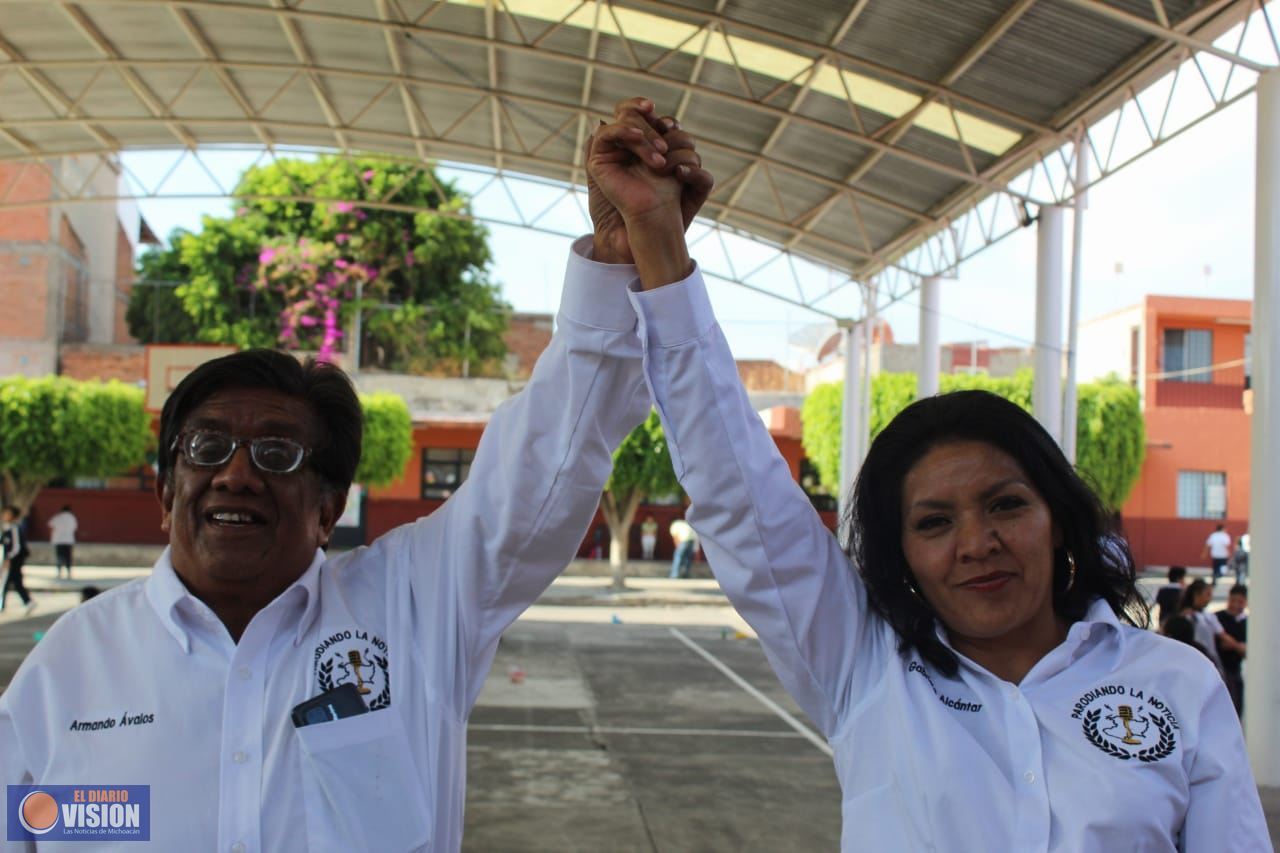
x: 595, y: 294
x: 674, y: 313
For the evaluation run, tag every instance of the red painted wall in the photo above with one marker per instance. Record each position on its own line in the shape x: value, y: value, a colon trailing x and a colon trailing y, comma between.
x: 114, y: 516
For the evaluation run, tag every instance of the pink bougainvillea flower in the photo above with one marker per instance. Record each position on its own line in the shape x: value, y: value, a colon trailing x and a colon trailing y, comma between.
x: 307, y: 321
x: 341, y: 238
x: 266, y: 255
x: 344, y: 207
x: 341, y: 263
x: 368, y: 174
x: 361, y: 215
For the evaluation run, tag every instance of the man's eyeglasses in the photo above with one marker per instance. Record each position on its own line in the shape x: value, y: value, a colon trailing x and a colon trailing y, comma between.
x: 206, y: 448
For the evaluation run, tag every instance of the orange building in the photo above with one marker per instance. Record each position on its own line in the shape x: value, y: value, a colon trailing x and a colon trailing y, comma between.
x: 1189, y: 359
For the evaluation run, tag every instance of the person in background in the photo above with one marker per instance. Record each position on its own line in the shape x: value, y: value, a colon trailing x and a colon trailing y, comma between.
x: 597, y: 542
x: 1169, y: 596
x: 1183, y: 629
x: 648, y: 536
x: 13, y: 544
x: 685, y: 539
x: 1240, y: 560
x: 1218, y: 549
x: 62, y: 533
x: 1208, y: 630
x: 1234, y: 627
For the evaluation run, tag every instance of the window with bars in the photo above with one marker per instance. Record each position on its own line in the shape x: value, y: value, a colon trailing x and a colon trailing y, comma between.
x: 444, y: 470
x: 1202, y: 494
x: 1188, y: 355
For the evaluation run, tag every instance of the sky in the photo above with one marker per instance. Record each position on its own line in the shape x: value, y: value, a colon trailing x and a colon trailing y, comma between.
x: 1179, y: 221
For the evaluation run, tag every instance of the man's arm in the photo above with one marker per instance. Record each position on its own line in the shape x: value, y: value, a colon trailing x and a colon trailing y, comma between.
x: 545, y: 455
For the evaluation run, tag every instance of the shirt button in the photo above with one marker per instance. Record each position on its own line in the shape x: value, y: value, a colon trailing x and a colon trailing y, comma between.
x: 238, y: 847
x: 241, y: 758
x: 244, y: 672
x: 1029, y: 776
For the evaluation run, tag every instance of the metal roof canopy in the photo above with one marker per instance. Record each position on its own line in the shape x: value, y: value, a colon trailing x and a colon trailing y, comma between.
x: 888, y: 139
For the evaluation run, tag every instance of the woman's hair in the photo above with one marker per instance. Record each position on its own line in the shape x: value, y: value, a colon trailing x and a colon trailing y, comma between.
x: 1191, y: 593
x: 1104, y: 566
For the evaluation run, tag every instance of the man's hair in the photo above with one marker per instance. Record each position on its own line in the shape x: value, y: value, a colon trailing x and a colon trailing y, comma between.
x: 1239, y: 589
x: 323, y: 387
x: 1219, y: 527
x: 1104, y: 566
x: 1177, y: 573
x: 12, y: 510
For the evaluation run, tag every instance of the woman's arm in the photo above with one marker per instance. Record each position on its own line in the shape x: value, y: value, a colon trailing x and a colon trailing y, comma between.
x: 764, y: 541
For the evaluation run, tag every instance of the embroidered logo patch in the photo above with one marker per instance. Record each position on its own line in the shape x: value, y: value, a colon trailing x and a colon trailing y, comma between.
x: 355, y: 656
x: 1125, y: 723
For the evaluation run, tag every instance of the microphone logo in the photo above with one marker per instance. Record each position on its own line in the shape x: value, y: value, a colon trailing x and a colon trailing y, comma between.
x: 1125, y: 713
x: 354, y: 657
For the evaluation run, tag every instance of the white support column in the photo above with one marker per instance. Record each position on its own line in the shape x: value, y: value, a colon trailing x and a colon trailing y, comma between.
x: 851, y: 427
x: 930, y: 348
x: 1046, y: 396
x: 1073, y: 312
x: 1262, y: 669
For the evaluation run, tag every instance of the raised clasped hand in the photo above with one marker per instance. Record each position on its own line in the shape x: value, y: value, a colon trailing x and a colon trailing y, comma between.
x: 640, y: 168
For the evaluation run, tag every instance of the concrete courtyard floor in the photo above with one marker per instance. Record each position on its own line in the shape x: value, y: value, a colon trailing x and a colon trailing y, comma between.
x: 647, y: 721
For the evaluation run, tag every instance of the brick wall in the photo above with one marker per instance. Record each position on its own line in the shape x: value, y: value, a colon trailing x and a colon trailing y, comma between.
x: 24, y: 277
x: 124, y: 287
x: 526, y: 337
x: 102, y: 361
x: 75, y: 284
x: 759, y: 375
x: 22, y: 183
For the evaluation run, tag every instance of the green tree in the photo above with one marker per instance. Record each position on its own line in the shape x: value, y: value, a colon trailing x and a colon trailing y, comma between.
x: 641, y: 469
x: 428, y: 304
x: 1110, y: 435
x: 388, y: 439
x: 1111, y: 439
x: 155, y: 313
x: 57, y: 427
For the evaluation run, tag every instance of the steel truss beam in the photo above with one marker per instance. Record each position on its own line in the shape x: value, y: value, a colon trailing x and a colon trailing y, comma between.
x: 1121, y: 123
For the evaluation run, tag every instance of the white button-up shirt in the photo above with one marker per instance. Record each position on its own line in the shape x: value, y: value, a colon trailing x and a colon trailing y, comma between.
x: 1118, y: 739
x: 413, y: 620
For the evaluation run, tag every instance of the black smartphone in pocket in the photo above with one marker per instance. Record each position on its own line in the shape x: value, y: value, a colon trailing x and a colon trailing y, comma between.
x: 336, y: 704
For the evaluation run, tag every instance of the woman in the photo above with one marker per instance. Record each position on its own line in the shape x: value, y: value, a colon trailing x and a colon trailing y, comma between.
x: 983, y: 676
x: 1208, y: 631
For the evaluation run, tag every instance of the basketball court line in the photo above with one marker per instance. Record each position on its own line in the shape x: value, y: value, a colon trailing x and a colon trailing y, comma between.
x: 628, y: 730
x: 806, y: 732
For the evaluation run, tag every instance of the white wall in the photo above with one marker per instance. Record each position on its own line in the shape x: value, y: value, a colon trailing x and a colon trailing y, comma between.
x: 1104, y: 345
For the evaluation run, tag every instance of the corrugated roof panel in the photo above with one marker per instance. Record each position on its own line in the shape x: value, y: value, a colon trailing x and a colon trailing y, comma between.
x: 923, y: 38
x: 1048, y: 59
x: 913, y: 185
x: 814, y: 20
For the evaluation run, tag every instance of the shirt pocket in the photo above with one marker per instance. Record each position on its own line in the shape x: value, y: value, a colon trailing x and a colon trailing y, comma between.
x: 360, y: 785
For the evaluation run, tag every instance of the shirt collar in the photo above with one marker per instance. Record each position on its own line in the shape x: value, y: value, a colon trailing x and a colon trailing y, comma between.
x: 1098, y: 620
x: 175, y: 604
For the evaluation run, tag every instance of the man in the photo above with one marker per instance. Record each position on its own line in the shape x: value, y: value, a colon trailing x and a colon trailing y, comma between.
x: 1169, y: 596
x: 1234, y: 625
x: 62, y: 533
x: 13, y: 545
x: 186, y: 681
x: 1218, y: 549
x: 685, y: 539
